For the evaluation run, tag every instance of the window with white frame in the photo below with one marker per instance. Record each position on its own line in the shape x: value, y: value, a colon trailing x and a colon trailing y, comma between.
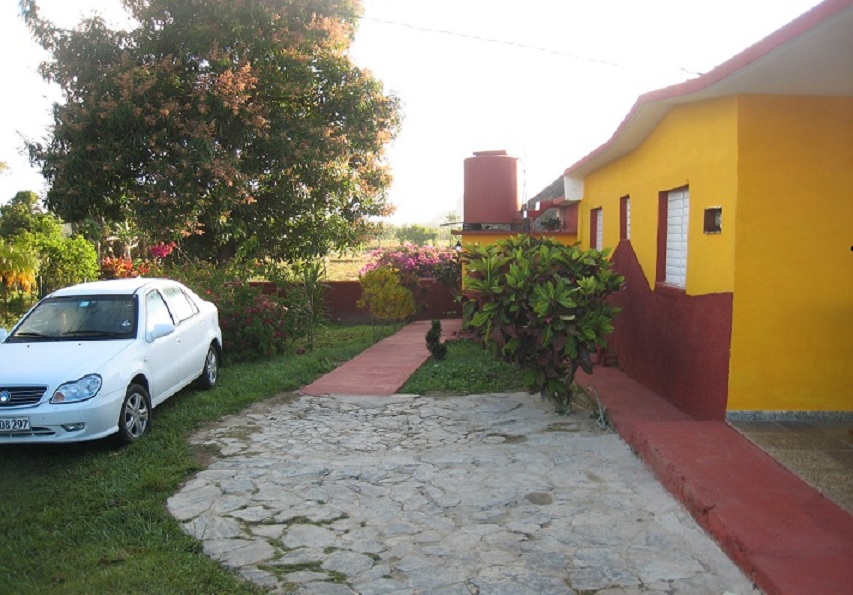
x: 596, y: 230
x: 625, y: 218
x: 677, y: 219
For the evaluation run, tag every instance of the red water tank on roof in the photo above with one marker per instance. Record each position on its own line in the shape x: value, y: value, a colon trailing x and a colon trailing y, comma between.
x: 492, y: 188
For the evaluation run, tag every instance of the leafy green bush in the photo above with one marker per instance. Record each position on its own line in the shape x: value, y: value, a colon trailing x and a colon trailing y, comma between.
x: 304, y: 293
x: 36, y: 257
x: 254, y: 325
x: 66, y: 261
x: 541, y: 305
x: 384, y: 297
x: 14, y: 303
x: 34, y: 248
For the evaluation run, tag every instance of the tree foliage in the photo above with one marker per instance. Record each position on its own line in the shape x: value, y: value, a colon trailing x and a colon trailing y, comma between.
x: 66, y: 261
x: 416, y: 234
x: 541, y: 305
x: 18, y: 266
x: 223, y: 124
x: 36, y: 238
x: 23, y: 215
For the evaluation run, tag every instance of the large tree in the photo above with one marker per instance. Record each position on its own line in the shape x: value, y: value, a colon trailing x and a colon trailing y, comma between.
x: 226, y: 124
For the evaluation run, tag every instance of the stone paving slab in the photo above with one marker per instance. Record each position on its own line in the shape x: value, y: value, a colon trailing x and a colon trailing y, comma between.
x: 486, y: 494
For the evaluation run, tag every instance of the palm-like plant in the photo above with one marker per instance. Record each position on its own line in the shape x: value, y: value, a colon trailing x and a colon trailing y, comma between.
x: 19, y: 266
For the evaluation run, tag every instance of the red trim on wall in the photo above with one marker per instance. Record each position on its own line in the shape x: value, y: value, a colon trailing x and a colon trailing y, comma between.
x: 663, y: 211
x: 674, y: 344
x: 570, y: 218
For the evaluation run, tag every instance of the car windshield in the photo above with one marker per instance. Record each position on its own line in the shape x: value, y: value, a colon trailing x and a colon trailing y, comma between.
x: 92, y: 317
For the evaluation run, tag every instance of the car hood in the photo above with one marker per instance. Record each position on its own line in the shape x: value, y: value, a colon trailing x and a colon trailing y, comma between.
x: 43, y: 362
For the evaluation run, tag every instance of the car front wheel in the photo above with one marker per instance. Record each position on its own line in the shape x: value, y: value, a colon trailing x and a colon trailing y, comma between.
x: 210, y: 373
x: 135, y: 418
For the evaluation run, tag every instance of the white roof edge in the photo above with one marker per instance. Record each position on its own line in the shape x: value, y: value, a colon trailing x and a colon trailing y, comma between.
x: 825, y: 32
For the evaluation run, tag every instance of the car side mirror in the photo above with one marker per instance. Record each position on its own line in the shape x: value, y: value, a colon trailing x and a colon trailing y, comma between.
x: 159, y: 330
x: 3, y: 334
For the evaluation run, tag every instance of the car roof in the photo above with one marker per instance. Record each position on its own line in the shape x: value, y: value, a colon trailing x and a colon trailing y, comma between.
x: 127, y: 286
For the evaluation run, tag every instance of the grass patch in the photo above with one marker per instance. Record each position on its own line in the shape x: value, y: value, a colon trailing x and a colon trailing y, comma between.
x: 346, y: 268
x: 91, y: 517
x: 467, y: 369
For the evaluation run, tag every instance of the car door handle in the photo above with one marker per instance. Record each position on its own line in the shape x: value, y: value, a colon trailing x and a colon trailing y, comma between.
x: 177, y: 339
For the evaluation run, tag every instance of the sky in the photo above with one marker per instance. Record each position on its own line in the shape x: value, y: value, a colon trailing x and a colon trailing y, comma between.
x: 546, y: 80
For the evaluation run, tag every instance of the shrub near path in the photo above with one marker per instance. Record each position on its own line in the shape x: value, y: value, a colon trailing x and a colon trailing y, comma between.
x: 541, y: 305
x: 90, y: 517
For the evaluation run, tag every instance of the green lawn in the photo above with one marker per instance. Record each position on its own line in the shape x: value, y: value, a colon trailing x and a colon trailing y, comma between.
x: 91, y: 517
x: 467, y: 370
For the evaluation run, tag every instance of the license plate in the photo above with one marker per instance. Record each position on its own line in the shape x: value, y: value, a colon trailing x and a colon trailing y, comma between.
x: 14, y: 424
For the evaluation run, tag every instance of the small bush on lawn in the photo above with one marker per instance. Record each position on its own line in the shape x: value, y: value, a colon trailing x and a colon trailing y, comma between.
x: 302, y: 283
x: 433, y: 341
x: 541, y: 305
x: 385, y: 297
x: 254, y: 325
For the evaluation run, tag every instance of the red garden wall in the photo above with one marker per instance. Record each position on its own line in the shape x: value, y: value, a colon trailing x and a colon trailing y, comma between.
x: 342, y: 296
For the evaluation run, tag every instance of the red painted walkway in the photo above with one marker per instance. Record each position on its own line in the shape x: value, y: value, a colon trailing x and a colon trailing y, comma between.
x: 784, y: 534
x: 383, y: 368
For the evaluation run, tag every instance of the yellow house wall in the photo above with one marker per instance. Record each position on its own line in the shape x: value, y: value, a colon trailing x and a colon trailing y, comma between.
x: 695, y: 145
x: 792, y: 337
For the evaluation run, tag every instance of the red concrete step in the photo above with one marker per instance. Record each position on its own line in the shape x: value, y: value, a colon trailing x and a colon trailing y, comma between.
x: 783, y: 533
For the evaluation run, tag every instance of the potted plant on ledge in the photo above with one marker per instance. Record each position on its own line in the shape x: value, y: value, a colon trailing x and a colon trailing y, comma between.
x: 551, y: 223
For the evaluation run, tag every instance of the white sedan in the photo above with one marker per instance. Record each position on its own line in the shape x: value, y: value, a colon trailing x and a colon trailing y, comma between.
x: 94, y: 359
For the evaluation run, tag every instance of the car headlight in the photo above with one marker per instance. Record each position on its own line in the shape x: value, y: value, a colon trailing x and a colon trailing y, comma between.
x: 79, y: 390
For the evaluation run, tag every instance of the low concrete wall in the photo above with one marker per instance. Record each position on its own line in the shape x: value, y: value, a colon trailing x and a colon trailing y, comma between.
x: 342, y: 296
